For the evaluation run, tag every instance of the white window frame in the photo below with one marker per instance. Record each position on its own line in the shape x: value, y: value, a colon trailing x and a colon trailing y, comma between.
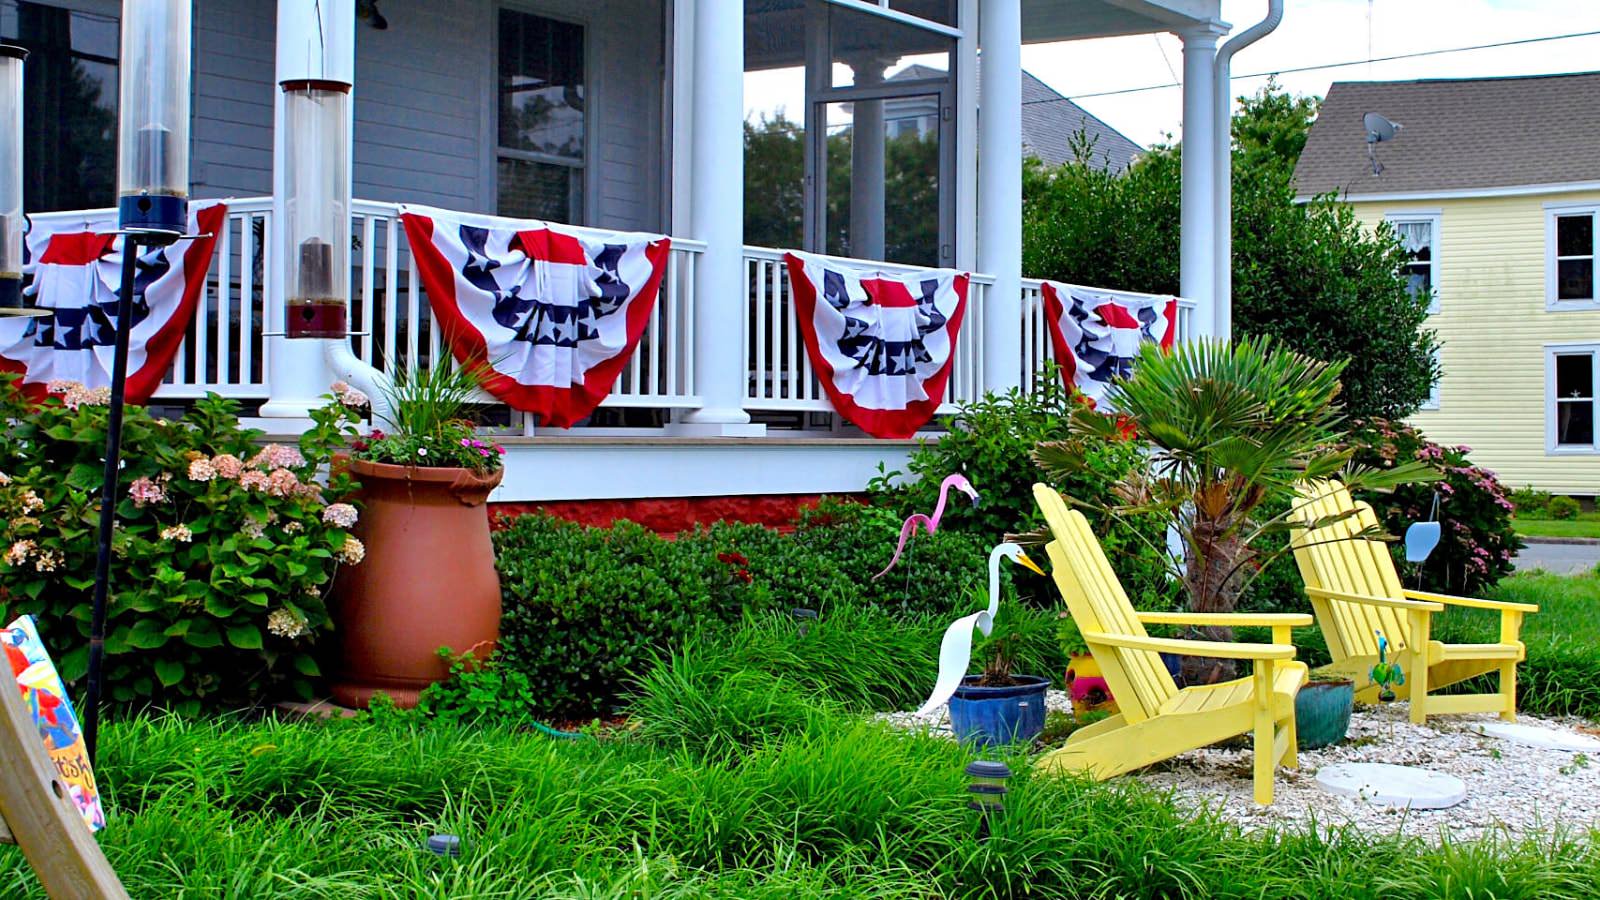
x: 1551, y: 351
x: 1552, y: 211
x: 1432, y: 217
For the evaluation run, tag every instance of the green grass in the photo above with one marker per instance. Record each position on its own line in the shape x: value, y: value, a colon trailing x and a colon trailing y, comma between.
x: 835, y: 808
x: 1562, y: 672
x: 1586, y: 525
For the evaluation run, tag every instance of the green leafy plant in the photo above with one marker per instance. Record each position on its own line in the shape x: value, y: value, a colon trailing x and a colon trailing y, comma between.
x: 1563, y: 508
x: 1018, y: 635
x: 223, y: 553
x: 1478, y: 541
x: 1529, y: 501
x: 428, y: 422
x: 1230, y: 430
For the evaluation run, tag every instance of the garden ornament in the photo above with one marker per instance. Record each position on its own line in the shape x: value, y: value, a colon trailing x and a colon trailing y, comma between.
x: 957, y: 481
x: 955, y: 650
x: 1422, y: 537
x: 1386, y: 675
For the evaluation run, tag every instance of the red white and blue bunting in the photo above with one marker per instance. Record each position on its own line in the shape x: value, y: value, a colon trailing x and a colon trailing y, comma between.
x: 553, y: 312
x: 1096, y: 333
x: 75, y: 269
x: 882, y: 343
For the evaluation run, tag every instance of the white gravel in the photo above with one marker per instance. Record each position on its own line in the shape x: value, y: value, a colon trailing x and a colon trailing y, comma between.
x: 1512, y: 789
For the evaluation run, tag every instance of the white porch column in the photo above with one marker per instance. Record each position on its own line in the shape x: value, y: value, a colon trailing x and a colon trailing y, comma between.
x: 866, y: 165
x: 716, y: 216
x: 1197, y: 248
x: 297, y: 374
x: 1000, y: 190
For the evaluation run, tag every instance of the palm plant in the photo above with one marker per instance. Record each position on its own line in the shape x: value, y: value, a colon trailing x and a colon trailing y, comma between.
x: 1230, y: 429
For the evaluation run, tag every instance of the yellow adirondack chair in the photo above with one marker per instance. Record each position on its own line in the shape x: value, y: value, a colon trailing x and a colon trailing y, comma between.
x: 1156, y: 720
x: 1356, y: 593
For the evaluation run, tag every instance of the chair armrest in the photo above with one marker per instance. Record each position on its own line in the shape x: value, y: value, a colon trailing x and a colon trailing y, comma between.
x: 1472, y: 602
x: 1391, y: 602
x: 1220, y: 649
x: 1275, y: 620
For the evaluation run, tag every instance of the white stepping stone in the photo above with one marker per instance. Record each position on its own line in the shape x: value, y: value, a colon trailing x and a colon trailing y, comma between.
x: 1543, y: 738
x: 1394, y: 787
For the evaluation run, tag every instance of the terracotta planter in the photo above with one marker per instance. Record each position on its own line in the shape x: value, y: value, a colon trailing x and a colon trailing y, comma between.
x: 428, y: 581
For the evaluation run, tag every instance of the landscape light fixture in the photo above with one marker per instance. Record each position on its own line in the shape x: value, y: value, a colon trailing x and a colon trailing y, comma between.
x: 988, y: 788
x: 803, y: 618
x: 152, y: 211
x: 12, y: 222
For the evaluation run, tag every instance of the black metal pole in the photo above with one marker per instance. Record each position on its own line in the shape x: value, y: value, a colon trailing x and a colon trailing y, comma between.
x: 108, y: 494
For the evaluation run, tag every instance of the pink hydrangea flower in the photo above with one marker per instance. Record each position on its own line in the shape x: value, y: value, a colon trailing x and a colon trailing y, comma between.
x: 253, y: 480
x: 340, y: 515
x: 145, y: 492
x: 277, y: 456
x: 202, y: 470
x: 282, y: 483
x: 227, y: 466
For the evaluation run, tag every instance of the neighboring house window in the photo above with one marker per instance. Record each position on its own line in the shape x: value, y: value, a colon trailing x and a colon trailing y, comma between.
x: 1419, y: 235
x: 542, y: 152
x: 1573, y: 373
x: 69, y: 102
x: 1433, y: 392
x: 1571, y: 256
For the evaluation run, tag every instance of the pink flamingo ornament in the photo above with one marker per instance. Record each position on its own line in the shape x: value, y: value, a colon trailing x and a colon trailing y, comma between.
x: 957, y: 481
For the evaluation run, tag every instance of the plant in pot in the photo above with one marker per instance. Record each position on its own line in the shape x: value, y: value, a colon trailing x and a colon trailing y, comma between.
x: 1229, y: 429
x: 430, y: 580
x: 1322, y: 710
x: 998, y: 706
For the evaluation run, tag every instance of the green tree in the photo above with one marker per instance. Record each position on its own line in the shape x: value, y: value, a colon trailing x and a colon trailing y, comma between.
x: 1308, y: 274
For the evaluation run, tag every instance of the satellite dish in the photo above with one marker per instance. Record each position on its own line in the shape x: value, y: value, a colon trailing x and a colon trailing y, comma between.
x: 1379, y: 128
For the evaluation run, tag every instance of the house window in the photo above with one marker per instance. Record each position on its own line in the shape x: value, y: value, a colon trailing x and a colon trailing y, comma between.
x: 1572, y: 252
x: 1573, y: 374
x: 542, y: 146
x: 69, y: 102
x: 1433, y: 390
x: 1419, y: 236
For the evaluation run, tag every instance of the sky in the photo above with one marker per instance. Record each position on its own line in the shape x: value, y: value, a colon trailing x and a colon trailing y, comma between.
x: 1313, y: 32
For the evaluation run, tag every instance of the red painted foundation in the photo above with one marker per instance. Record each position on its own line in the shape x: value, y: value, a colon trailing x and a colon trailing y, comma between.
x: 669, y: 515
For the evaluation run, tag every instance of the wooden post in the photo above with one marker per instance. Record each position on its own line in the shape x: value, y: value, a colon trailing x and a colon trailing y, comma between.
x: 39, y: 814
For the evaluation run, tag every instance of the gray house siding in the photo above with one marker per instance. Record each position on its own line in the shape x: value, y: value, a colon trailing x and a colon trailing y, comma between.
x: 425, y: 104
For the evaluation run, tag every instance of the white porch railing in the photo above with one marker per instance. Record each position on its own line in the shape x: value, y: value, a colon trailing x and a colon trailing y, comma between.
x: 781, y: 377
x: 1036, y: 347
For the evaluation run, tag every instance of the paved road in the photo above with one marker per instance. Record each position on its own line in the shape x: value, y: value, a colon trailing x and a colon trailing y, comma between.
x: 1563, y: 559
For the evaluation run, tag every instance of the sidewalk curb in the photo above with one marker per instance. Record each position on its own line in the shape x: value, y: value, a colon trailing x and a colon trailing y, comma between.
x: 1582, y: 542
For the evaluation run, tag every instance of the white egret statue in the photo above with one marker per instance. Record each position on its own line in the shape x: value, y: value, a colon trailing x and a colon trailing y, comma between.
x: 955, y: 652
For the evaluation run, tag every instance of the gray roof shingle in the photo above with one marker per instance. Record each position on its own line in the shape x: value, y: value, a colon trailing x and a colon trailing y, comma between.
x: 1458, y: 135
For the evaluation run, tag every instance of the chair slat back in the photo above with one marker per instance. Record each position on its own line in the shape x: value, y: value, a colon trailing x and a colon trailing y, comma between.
x: 1332, y: 558
x: 1138, y: 679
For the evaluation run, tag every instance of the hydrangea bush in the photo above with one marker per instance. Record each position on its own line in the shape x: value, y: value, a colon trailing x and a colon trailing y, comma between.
x: 223, y: 554
x: 1478, y: 542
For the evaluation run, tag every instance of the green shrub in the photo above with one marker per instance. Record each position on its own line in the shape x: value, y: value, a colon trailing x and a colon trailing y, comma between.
x: 1563, y: 508
x: 222, y: 555
x: 1478, y: 542
x: 1530, y: 501
x: 991, y: 441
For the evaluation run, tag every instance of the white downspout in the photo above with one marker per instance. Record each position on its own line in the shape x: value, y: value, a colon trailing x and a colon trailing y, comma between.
x: 344, y: 365
x: 1222, y: 230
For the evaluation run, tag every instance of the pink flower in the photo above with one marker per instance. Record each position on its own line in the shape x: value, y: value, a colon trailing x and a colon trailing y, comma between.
x: 202, y: 470
x: 282, y: 483
x: 227, y: 465
x: 341, y: 515
x: 144, y: 492
x: 352, y: 552
x: 277, y: 456
x: 253, y: 481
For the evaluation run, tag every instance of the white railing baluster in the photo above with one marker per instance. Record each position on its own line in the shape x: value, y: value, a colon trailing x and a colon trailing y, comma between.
x: 225, y: 305
x: 247, y: 294
x: 670, y: 329
x: 391, y: 298
x: 369, y: 237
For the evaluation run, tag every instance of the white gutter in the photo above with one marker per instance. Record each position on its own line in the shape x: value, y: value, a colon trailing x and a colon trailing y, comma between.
x: 1222, y: 226
x: 344, y: 365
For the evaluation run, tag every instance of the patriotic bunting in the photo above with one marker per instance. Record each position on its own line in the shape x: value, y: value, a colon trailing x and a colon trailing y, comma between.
x: 75, y: 269
x: 554, y: 313
x: 1096, y: 333
x: 882, y: 343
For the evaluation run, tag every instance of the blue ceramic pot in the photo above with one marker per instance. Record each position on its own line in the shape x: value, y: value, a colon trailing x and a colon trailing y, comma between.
x: 998, y: 715
x: 1322, y: 713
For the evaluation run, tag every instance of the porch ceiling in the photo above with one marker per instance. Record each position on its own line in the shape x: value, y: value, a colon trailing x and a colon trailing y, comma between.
x: 1044, y: 21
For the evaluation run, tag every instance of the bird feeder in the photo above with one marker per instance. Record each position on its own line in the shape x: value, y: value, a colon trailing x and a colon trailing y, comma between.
x: 12, y: 225
x: 153, y: 142
x: 317, y: 207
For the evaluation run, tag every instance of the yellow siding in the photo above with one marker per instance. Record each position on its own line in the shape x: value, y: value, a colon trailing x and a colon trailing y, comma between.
x: 1493, y: 327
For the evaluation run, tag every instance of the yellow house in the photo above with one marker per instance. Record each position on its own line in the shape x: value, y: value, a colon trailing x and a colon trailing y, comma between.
x: 1493, y: 184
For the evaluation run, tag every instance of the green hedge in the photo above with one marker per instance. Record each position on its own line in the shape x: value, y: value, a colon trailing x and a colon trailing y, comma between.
x: 587, y: 609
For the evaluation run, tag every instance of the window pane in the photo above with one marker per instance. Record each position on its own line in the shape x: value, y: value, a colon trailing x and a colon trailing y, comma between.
x: 941, y: 11
x: 541, y: 85
x: 1416, y: 238
x: 865, y: 47
x: 1575, y: 423
x: 1575, y: 375
x: 1575, y: 279
x: 892, y: 173
x: 1575, y: 235
x: 70, y: 103
x: 1419, y: 280
x: 535, y: 190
